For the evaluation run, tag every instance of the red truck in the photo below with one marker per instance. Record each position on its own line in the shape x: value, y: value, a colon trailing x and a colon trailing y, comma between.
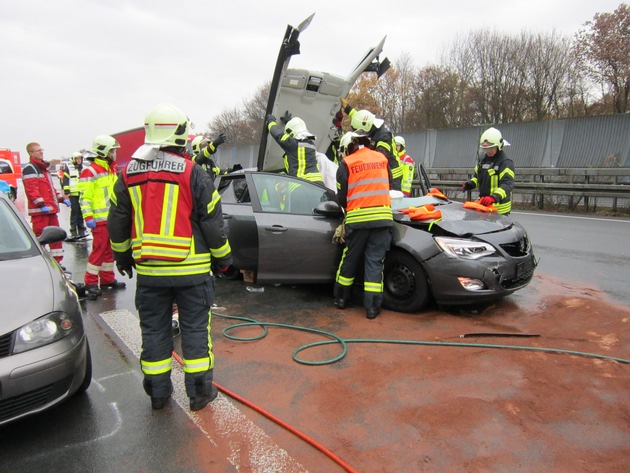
x: 10, y: 171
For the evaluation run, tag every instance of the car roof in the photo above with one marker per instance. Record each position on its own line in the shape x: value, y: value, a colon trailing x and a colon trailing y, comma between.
x: 312, y: 95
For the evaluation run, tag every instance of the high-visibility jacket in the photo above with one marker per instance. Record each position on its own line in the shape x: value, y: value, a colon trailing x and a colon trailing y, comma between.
x: 364, y: 181
x: 300, y: 158
x: 71, y: 175
x: 204, y: 159
x: 494, y: 176
x: 97, y: 185
x: 166, y: 214
x: 39, y: 188
x: 408, y: 166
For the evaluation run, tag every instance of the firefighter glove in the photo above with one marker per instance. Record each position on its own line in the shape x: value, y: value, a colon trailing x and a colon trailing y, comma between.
x: 466, y: 186
x: 286, y: 117
x: 487, y: 200
x: 125, y: 264
x: 339, y: 236
x: 219, y: 140
x: 269, y: 119
x: 236, y: 167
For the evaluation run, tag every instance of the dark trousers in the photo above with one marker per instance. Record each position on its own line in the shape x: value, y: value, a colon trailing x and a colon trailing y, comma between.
x: 369, y: 245
x: 77, y: 226
x: 155, y: 308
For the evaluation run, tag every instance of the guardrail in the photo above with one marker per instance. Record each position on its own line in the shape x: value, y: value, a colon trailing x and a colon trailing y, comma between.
x: 577, y: 184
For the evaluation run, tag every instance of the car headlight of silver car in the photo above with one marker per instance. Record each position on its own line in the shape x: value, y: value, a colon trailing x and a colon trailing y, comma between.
x: 45, y: 330
x: 463, y: 248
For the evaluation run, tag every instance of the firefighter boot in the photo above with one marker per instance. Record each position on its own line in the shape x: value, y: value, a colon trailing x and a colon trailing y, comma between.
x: 372, y: 303
x: 115, y: 285
x: 343, y: 296
x: 199, y: 402
x: 157, y: 402
x: 92, y: 291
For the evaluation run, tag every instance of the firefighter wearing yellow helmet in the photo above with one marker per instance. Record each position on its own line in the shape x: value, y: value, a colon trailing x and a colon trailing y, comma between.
x: 166, y: 222
x: 382, y: 139
x: 494, y: 173
x: 97, y: 185
x: 202, y: 151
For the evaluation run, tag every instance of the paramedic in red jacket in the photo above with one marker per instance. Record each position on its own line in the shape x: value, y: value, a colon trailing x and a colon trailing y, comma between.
x: 42, y: 196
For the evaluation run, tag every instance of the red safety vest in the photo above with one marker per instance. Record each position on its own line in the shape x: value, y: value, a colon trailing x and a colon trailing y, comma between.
x: 162, y: 202
x: 368, y: 180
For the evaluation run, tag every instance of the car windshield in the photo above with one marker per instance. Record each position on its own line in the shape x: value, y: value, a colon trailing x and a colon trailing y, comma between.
x: 15, y: 241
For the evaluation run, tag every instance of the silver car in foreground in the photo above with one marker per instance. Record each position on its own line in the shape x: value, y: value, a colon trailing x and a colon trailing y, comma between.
x: 44, y: 352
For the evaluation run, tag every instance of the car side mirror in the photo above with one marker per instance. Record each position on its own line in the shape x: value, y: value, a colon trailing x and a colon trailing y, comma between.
x: 51, y: 234
x: 328, y: 209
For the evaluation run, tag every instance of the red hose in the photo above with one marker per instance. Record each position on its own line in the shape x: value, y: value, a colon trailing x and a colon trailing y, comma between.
x: 281, y: 423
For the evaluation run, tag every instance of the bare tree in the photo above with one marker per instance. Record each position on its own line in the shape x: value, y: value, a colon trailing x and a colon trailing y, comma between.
x: 547, y: 64
x: 242, y: 126
x: 603, y: 47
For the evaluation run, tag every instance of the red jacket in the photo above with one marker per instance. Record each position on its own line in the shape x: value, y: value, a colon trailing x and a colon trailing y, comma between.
x: 39, y: 188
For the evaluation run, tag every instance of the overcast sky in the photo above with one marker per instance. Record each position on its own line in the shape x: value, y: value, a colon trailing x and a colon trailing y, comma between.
x: 73, y: 69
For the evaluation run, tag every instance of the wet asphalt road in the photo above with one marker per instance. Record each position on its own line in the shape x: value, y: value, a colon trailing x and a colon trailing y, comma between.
x: 112, y: 427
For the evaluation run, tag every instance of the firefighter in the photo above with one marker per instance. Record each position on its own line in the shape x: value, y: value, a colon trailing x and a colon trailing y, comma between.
x: 298, y: 143
x: 166, y: 221
x: 202, y: 151
x: 382, y: 139
x: 42, y: 196
x: 71, y: 173
x: 97, y: 184
x: 408, y: 164
x: 363, y: 184
x: 494, y: 174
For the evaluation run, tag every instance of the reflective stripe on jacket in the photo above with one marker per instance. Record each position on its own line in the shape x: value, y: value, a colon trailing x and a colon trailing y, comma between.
x: 39, y: 188
x: 408, y: 172
x: 494, y: 176
x: 368, y: 187
x: 300, y: 159
x: 97, y: 185
x: 167, y: 214
x: 71, y: 174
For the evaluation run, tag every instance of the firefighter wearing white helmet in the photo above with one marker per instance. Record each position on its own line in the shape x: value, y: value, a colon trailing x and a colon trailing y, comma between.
x: 494, y: 173
x: 381, y: 137
x: 300, y: 159
x: 97, y: 185
x: 363, y: 185
x: 166, y: 222
x: 409, y: 166
x: 70, y: 185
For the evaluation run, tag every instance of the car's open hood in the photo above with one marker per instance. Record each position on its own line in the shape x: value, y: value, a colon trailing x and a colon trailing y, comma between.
x: 456, y: 220
x: 311, y: 95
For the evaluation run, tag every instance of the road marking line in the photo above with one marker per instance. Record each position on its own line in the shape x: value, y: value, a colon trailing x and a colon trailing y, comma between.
x: 227, y: 422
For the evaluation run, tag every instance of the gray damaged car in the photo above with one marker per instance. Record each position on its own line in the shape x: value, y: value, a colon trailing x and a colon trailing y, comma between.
x: 280, y: 227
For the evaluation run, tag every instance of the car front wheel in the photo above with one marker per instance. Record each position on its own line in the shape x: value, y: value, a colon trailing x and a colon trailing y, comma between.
x: 405, y: 286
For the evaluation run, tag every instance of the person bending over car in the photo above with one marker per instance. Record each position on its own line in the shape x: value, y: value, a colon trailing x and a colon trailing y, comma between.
x: 363, y: 184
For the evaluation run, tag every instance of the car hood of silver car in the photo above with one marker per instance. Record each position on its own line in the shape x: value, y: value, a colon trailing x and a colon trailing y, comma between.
x: 27, y: 283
